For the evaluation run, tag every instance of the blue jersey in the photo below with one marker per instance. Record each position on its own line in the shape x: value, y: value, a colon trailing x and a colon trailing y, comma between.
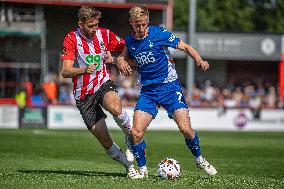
x: 154, y: 63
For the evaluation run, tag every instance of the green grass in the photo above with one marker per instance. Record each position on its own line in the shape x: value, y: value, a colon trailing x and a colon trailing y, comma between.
x: 40, y: 158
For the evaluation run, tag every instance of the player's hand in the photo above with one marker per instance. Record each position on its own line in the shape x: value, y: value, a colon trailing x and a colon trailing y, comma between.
x: 204, y: 65
x: 124, y: 68
x: 90, y: 69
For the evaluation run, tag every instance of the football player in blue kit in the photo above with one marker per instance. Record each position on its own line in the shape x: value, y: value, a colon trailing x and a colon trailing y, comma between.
x: 147, y: 49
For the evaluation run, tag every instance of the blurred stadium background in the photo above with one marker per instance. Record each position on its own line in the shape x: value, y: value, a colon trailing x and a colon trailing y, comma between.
x: 244, y: 50
x: 242, y: 91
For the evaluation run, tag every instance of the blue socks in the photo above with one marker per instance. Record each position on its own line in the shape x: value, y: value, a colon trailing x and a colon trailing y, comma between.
x: 193, y: 145
x: 139, y: 151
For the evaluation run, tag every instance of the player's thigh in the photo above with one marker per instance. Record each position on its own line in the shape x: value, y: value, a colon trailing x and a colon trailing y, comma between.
x: 90, y: 110
x: 145, y: 103
x: 112, y: 103
x: 110, y: 99
x: 182, y: 119
x: 141, y: 120
x: 172, y: 98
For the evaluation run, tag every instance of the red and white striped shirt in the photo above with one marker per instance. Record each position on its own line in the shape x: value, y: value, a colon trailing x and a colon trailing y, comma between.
x: 86, y: 52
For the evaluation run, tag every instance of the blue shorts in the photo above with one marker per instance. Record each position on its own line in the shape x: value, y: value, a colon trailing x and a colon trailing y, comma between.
x: 167, y: 95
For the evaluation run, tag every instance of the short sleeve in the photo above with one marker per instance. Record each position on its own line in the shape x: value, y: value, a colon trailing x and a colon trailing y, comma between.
x: 69, y: 48
x: 115, y: 43
x: 168, y: 38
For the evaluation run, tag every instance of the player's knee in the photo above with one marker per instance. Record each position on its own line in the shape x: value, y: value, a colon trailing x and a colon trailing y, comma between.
x: 117, y: 112
x: 116, y: 109
x: 112, y: 103
x: 183, y: 131
x: 187, y: 131
x: 137, y: 135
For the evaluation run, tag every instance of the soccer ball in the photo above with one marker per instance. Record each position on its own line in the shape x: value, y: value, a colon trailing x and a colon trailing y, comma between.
x: 168, y: 168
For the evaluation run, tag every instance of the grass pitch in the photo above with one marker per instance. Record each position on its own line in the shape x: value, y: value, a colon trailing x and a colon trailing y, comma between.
x: 40, y: 158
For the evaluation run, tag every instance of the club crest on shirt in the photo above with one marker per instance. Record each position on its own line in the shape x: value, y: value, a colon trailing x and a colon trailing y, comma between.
x: 102, y: 45
x: 150, y: 44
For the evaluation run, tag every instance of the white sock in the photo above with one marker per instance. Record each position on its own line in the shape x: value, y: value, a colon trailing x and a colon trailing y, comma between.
x: 116, y: 154
x: 123, y: 122
x: 199, y: 159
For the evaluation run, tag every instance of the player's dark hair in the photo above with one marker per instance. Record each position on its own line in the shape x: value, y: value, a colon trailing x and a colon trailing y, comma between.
x: 86, y: 12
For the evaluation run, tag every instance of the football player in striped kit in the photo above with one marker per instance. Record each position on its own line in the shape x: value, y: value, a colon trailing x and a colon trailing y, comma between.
x: 84, y: 57
x: 148, y: 48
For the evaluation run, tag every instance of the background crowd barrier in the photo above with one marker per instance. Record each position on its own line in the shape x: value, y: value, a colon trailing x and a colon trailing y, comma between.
x: 68, y: 117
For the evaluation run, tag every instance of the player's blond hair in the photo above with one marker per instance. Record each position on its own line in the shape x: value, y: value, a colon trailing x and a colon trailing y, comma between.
x: 137, y: 12
x: 86, y: 12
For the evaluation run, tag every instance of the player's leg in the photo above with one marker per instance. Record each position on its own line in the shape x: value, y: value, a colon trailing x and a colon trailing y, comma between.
x: 174, y: 102
x: 94, y: 118
x: 112, y: 103
x: 182, y: 119
x: 141, y: 121
x: 100, y: 131
x: 145, y: 112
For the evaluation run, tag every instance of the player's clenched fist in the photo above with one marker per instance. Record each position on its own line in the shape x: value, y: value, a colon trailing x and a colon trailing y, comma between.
x: 203, y: 64
x: 90, y: 69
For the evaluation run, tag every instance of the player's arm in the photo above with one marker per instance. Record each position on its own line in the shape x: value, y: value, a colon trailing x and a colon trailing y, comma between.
x: 194, y: 54
x: 68, y: 71
x: 124, y: 62
x: 68, y: 57
x: 130, y: 61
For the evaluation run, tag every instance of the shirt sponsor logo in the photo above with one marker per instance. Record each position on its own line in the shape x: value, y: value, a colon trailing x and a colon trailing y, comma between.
x: 172, y: 38
x: 94, y: 59
x: 145, y: 58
